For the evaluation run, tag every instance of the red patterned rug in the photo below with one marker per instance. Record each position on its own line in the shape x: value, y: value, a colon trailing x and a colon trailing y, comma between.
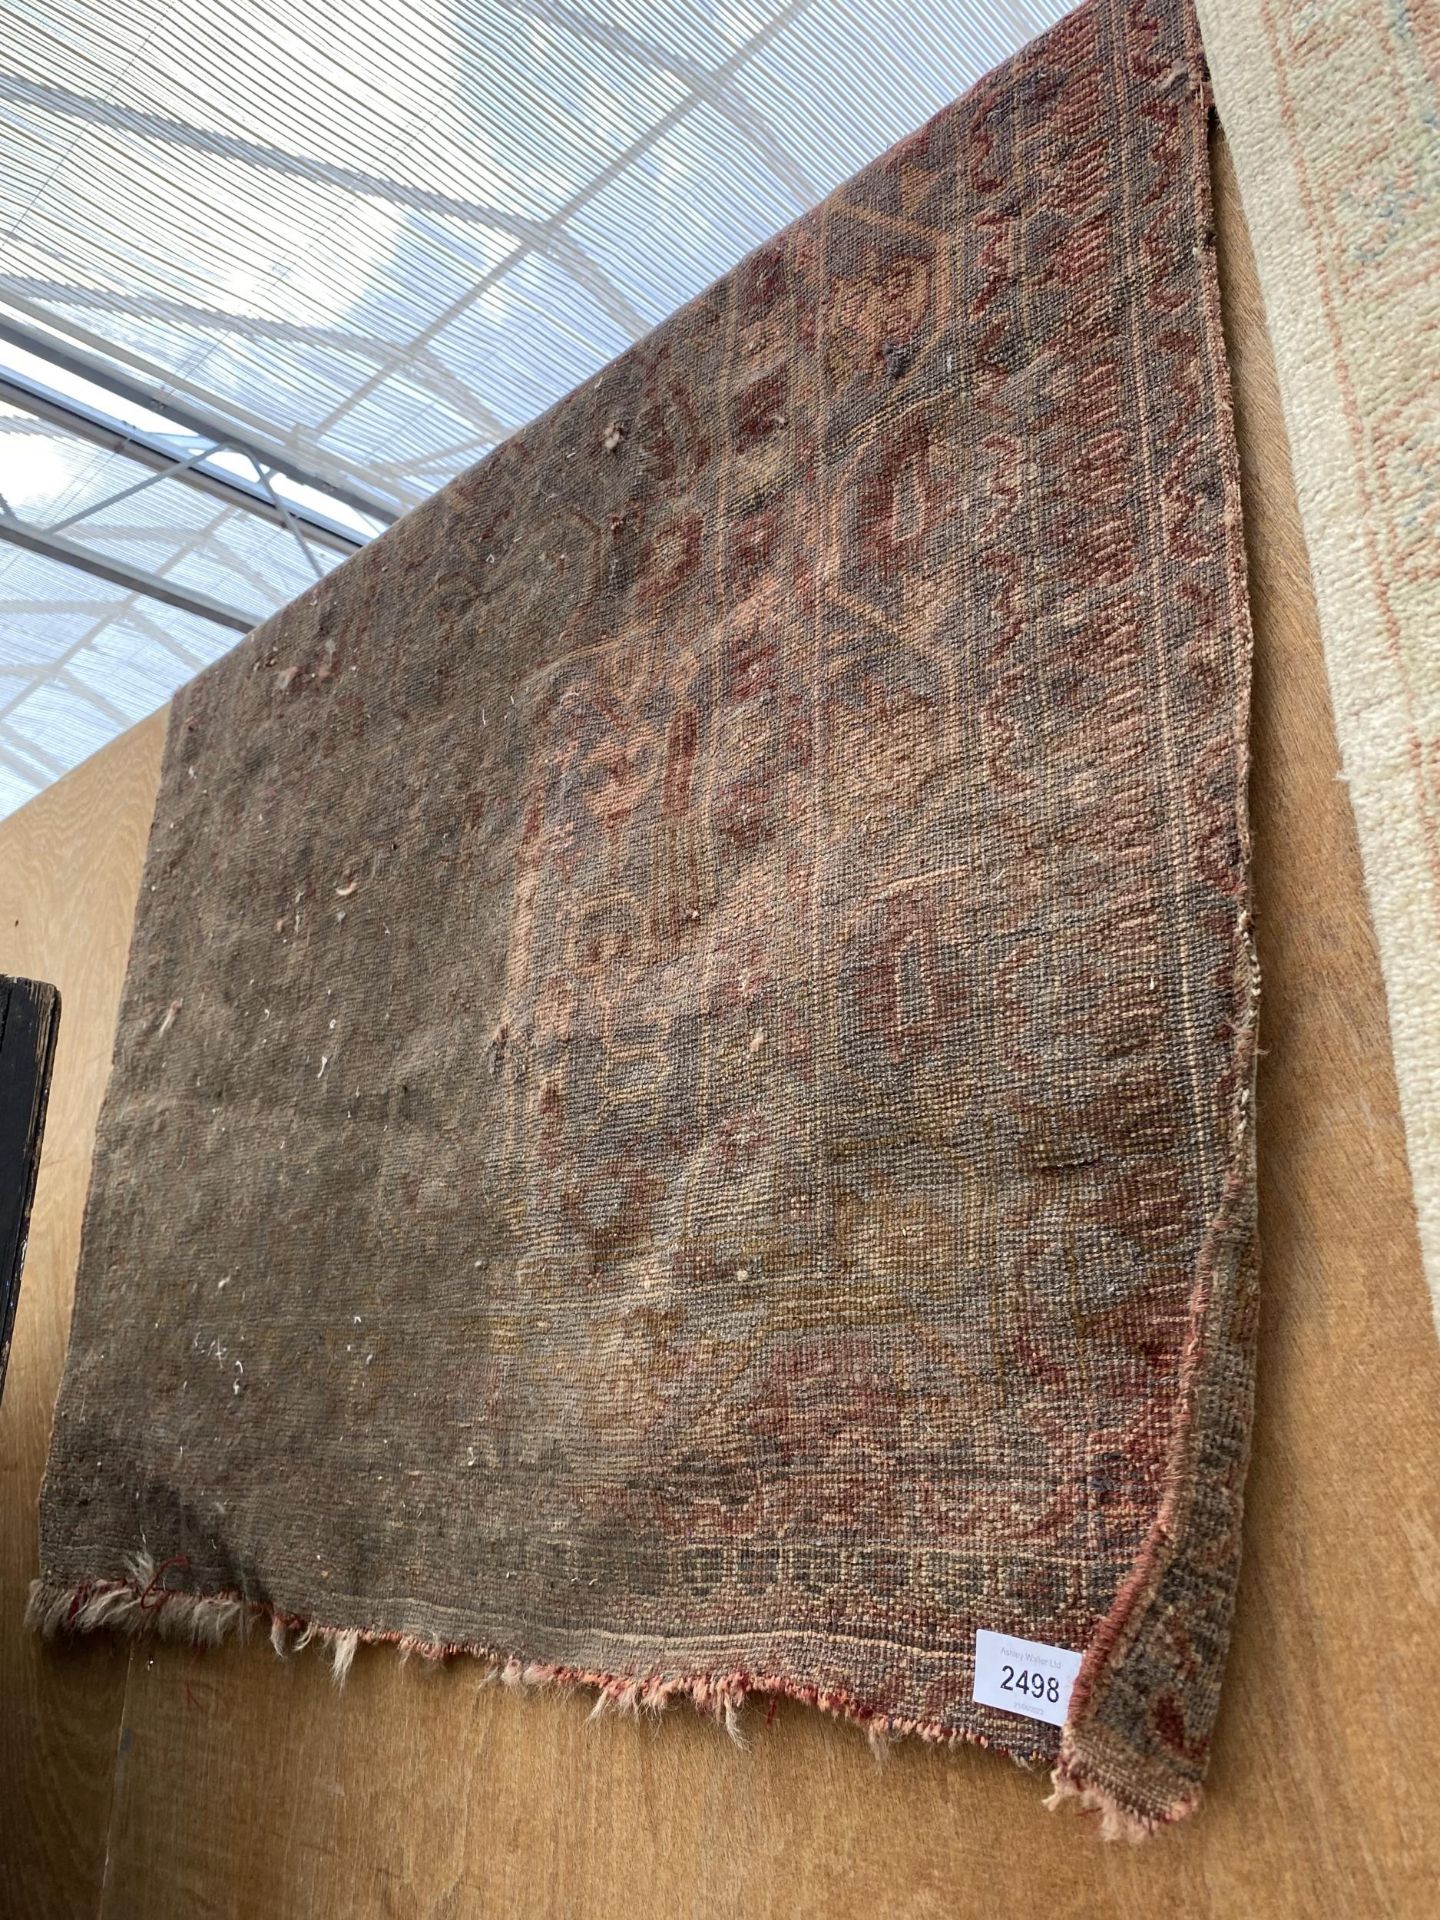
x: 681, y: 1117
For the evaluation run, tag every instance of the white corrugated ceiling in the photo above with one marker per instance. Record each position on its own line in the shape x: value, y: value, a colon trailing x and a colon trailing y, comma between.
x: 370, y: 241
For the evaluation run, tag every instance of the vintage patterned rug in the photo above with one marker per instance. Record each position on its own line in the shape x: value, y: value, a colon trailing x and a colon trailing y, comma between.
x: 682, y: 1111
x: 1331, y: 114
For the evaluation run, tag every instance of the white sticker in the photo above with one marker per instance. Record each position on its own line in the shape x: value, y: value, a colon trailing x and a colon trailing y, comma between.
x: 1024, y: 1676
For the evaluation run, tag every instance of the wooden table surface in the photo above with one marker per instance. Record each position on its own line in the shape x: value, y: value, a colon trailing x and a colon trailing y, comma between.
x: 147, y: 1780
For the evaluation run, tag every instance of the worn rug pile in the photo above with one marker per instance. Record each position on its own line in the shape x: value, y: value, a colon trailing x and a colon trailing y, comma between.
x: 682, y: 1110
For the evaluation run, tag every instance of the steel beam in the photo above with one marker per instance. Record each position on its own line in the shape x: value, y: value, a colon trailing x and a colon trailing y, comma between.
x: 69, y: 553
x: 152, y: 452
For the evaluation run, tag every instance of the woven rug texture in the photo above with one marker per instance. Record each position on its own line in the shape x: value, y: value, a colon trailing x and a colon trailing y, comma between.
x: 681, y: 1116
x: 1332, y: 114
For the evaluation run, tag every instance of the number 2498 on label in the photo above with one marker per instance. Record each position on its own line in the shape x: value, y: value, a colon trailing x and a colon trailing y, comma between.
x: 1038, y: 1686
x: 1024, y: 1676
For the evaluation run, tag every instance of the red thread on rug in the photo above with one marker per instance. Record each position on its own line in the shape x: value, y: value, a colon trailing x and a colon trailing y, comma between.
x: 156, y: 1584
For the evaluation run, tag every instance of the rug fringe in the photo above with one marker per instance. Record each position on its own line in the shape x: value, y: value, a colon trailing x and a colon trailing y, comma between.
x: 142, y: 1602
x: 1116, y: 1820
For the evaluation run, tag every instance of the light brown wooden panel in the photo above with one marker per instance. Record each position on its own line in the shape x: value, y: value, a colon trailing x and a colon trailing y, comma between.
x: 69, y: 874
x: 244, y: 1787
